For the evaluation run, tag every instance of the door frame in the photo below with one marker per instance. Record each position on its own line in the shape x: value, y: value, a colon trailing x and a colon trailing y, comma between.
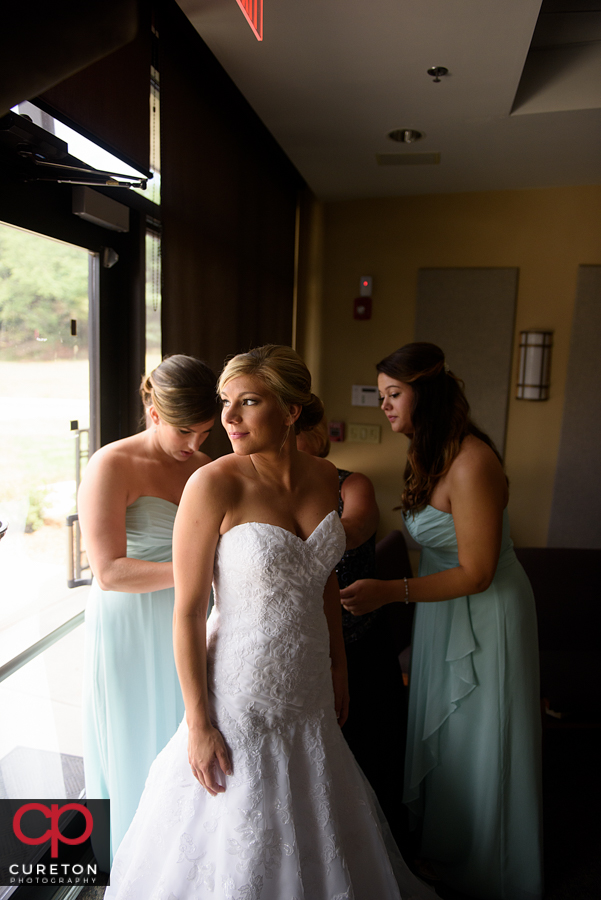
x: 117, y: 303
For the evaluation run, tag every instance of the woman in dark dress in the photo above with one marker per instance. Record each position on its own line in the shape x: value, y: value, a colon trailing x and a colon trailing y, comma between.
x: 376, y: 727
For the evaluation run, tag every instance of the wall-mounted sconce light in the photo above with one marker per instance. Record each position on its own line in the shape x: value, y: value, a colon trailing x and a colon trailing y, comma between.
x: 535, y: 365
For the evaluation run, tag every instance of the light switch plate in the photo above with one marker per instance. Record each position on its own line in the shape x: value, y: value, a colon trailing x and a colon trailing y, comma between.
x: 364, y: 434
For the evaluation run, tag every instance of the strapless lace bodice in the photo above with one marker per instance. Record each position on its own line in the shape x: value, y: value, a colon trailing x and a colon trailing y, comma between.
x: 268, y: 639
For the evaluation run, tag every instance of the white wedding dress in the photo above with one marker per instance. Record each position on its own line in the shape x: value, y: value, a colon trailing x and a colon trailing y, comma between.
x: 297, y: 819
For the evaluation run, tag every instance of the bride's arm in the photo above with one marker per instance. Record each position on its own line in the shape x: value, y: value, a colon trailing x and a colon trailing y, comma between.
x: 331, y: 605
x: 195, y: 536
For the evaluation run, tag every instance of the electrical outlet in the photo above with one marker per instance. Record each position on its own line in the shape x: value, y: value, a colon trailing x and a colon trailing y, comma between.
x: 364, y: 434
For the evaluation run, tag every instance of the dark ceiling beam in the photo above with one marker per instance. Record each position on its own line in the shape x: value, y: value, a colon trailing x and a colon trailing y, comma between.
x: 43, y: 43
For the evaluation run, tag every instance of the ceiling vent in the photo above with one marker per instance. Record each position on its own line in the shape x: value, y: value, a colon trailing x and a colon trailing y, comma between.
x: 408, y: 159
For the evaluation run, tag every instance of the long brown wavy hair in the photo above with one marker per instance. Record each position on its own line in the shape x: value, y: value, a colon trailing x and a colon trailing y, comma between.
x: 440, y: 417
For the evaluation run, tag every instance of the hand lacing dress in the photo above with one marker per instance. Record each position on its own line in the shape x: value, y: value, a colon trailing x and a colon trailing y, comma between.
x: 296, y: 821
x: 132, y: 700
x: 376, y: 727
x: 473, y: 764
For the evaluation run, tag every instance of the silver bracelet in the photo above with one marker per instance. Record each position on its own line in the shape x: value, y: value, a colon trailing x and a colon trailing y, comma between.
x: 406, y: 589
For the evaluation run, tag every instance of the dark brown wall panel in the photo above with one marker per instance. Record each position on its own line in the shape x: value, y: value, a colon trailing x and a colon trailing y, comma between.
x: 44, y: 43
x: 109, y: 101
x: 228, y: 207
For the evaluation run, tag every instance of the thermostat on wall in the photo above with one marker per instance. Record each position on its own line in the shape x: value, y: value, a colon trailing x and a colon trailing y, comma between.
x: 365, y: 395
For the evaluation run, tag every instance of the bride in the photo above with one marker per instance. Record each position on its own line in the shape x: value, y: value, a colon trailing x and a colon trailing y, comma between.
x: 257, y: 796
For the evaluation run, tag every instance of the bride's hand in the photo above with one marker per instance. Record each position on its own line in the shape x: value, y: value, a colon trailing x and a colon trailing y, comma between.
x: 209, y: 758
x: 362, y: 596
x: 341, y: 693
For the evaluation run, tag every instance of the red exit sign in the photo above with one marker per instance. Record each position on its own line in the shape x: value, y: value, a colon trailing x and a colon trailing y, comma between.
x: 253, y: 13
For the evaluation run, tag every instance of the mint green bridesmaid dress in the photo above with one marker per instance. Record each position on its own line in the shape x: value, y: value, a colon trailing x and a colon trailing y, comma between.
x: 132, y: 702
x: 473, y: 764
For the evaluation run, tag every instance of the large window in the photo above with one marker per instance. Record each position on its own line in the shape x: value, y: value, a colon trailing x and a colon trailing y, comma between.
x: 153, y: 296
x: 55, y: 369
x: 45, y: 416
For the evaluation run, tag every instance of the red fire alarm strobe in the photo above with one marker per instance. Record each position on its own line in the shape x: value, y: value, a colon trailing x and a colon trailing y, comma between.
x: 336, y: 431
x: 365, y: 285
x: 362, y: 308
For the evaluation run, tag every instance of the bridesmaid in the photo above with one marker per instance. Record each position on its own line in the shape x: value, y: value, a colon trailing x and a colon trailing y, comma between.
x: 128, y: 499
x: 473, y: 769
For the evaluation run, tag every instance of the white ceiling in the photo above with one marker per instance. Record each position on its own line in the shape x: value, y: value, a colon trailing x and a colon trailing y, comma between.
x: 331, y: 78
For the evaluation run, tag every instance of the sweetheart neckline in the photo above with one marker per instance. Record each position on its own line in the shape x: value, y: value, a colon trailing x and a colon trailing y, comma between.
x: 281, y: 528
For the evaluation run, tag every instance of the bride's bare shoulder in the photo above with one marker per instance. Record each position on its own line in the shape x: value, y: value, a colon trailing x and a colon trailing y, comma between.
x: 219, y: 478
x: 322, y: 473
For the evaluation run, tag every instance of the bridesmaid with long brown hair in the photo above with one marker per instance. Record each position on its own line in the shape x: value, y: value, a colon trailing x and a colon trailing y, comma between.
x: 472, y: 773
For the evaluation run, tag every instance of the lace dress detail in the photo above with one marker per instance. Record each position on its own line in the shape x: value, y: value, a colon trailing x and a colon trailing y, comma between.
x: 296, y: 821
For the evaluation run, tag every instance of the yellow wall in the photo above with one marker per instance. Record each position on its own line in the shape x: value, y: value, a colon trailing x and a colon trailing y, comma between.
x: 547, y: 234
x: 309, y: 285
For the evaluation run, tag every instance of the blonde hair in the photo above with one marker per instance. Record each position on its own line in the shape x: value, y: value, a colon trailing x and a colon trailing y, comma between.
x: 284, y: 373
x: 182, y: 390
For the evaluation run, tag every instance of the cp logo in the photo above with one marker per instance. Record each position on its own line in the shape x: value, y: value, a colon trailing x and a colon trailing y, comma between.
x: 54, y: 833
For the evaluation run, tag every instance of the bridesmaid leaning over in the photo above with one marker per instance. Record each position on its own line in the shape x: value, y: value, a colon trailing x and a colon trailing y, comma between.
x: 128, y: 499
x: 473, y: 769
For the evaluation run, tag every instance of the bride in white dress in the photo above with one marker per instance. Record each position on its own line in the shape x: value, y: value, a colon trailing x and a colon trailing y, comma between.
x: 257, y: 796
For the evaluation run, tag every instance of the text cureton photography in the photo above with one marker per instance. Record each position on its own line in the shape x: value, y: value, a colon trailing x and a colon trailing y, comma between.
x: 28, y: 873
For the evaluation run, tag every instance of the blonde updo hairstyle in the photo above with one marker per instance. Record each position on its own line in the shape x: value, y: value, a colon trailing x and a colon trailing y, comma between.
x: 284, y: 373
x: 182, y: 391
